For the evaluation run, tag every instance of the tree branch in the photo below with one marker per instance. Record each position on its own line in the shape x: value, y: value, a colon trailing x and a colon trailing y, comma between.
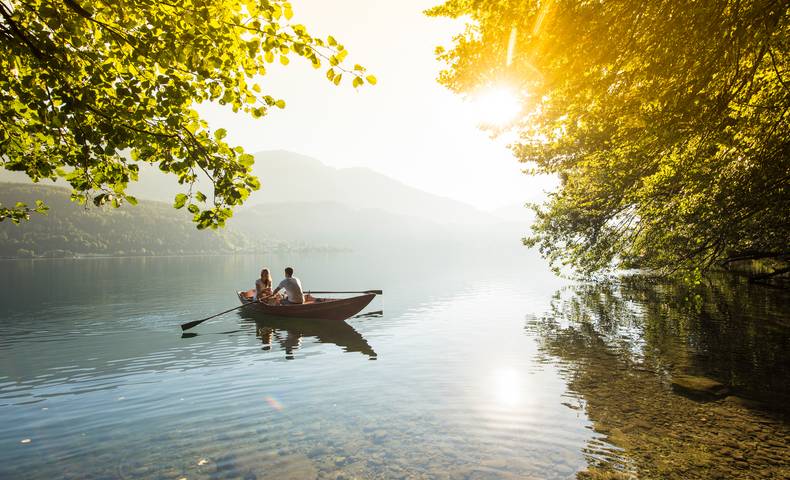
x: 752, y: 256
x: 776, y: 70
x: 19, y: 34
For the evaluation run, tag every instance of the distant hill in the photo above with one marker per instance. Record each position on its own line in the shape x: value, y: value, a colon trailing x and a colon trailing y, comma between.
x: 288, y: 177
x: 303, y: 205
x: 155, y: 228
x: 516, y: 213
x: 150, y: 228
x: 340, y: 225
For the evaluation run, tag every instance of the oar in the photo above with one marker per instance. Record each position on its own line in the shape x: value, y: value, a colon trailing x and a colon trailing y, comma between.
x: 377, y: 292
x: 188, y: 325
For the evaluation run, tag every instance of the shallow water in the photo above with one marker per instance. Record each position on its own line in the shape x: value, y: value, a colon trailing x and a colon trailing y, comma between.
x: 470, y: 366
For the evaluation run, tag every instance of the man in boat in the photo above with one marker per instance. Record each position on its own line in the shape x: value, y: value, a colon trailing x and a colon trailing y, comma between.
x: 292, y: 287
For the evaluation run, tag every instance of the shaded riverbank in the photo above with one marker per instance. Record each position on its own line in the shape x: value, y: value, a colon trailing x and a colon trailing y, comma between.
x: 690, y: 382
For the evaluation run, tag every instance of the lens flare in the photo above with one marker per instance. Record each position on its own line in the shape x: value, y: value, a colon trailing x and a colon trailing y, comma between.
x: 496, y: 106
x: 276, y: 405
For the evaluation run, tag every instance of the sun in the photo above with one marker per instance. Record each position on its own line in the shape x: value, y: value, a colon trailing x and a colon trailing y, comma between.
x: 495, y: 106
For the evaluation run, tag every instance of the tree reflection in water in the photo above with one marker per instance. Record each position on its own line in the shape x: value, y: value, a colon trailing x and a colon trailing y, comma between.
x: 620, y: 344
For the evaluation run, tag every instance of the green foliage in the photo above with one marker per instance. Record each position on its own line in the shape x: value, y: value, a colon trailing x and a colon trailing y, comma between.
x: 20, y: 211
x: 83, y: 82
x: 667, y: 123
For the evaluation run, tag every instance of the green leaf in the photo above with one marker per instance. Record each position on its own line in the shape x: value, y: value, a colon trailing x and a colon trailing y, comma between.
x: 253, y: 183
x: 220, y: 133
x: 181, y: 200
x: 246, y: 159
x: 193, y: 208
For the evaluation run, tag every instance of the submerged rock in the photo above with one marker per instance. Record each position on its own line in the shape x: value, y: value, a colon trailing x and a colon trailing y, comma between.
x: 699, y: 387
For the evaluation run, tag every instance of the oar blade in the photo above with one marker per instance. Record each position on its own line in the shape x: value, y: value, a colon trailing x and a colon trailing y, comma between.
x: 188, y: 325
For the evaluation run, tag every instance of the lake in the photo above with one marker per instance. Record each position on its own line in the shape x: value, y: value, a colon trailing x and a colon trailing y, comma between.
x: 473, y: 364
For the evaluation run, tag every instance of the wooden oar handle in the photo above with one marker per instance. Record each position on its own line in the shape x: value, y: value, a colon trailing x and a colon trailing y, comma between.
x: 188, y: 325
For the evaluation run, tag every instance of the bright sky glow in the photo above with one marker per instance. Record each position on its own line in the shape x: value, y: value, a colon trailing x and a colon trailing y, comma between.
x: 496, y: 106
x: 407, y: 126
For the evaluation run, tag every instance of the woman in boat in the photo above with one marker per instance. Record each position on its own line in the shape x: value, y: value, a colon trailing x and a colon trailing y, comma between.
x: 263, y: 285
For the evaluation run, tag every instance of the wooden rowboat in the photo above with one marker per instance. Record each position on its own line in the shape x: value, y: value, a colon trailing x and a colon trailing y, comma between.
x: 316, y: 308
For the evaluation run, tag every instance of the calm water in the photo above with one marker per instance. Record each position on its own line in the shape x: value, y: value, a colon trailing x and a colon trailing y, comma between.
x: 470, y: 366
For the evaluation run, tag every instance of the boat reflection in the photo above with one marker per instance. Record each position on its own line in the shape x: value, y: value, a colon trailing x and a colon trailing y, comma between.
x: 288, y: 333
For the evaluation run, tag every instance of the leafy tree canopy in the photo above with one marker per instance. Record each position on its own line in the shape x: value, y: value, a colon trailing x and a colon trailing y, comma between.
x: 666, y: 121
x: 83, y: 83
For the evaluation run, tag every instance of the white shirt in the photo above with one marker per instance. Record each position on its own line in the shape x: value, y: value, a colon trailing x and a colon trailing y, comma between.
x: 293, y: 289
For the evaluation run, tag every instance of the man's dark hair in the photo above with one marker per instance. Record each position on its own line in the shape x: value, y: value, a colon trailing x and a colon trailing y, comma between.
x: 289, y: 271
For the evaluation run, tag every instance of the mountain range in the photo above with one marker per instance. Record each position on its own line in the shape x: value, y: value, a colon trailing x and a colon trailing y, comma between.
x: 304, y: 202
x: 288, y: 177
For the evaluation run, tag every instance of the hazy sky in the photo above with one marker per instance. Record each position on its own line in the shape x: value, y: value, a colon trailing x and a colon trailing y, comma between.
x: 407, y: 126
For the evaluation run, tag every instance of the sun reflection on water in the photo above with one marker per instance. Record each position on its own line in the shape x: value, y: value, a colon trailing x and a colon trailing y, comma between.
x: 507, y: 386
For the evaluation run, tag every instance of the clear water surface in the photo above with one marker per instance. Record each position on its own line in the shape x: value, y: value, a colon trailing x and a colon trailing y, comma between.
x: 472, y: 365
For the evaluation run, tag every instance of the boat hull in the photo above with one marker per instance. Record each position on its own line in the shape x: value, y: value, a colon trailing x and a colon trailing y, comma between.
x: 319, y: 308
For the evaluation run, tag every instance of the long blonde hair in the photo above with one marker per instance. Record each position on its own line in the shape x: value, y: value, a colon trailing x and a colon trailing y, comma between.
x: 266, y: 280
